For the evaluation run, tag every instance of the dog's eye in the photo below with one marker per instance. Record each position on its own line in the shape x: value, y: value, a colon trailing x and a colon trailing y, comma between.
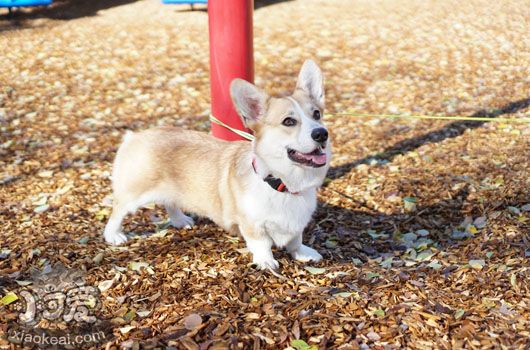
x: 289, y: 122
x: 316, y: 114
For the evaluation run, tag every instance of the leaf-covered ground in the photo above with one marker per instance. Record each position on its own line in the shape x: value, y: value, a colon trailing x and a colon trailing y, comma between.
x: 424, y: 225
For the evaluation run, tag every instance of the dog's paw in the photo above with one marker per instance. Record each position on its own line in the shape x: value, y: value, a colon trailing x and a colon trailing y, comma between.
x: 182, y: 221
x: 115, y: 238
x: 305, y: 254
x: 266, y: 263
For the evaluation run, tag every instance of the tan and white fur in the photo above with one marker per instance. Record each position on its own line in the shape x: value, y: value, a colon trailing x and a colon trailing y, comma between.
x: 194, y: 172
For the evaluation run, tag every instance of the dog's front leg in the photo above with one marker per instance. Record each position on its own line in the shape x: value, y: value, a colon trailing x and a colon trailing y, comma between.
x: 260, y: 245
x: 302, y: 252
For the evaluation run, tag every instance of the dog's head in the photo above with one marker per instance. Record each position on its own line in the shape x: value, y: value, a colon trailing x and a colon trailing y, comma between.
x: 289, y: 132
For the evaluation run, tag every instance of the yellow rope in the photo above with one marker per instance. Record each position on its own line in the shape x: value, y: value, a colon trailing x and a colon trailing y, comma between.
x: 440, y: 117
x: 250, y: 137
x: 241, y: 133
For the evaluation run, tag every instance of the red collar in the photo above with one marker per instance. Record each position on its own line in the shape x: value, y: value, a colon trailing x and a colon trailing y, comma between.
x: 274, y: 182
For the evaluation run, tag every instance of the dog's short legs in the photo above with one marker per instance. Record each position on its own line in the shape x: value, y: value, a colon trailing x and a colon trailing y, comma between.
x: 261, y: 248
x: 177, y: 217
x: 113, y: 234
x: 302, y: 252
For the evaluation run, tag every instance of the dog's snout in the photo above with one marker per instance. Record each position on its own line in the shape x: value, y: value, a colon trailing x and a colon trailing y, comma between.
x: 320, y: 135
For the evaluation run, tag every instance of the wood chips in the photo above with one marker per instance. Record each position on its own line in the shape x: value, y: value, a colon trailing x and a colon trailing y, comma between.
x: 424, y: 225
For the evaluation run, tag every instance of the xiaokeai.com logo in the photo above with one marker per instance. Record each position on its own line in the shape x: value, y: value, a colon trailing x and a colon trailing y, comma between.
x: 58, y: 311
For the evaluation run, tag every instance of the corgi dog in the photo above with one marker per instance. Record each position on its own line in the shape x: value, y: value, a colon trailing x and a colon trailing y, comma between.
x: 265, y: 190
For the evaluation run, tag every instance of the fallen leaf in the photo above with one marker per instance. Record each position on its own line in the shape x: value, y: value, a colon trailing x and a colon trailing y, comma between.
x: 252, y: 316
x: 357, y: 262
x: 24, y: 283
x: 138, y: 265
x: 336, y: 274
x: 343, y: 294
x: 409, y: 238
x: 143, y: 313
x: 331, y: 242
x: 471, y: 229
x: 102, y: 214
x: 98, y: 258
x: 422, y: 233
x: 9, y: 298
x: 456, y: 234
x: 43, y: 199
x: 459, y: 313
x: 480, y: 222
x: 375, y: 235
x: 378, y: 312
x: 4, y: 253
x: 160, y: 233
x: 372, y: 275
x: 41, y: 208
x: 373, y: 336
x: 488, y: 303
x: 130, y: 315
x: 45, y: 174
x: 387, y: 263
x: 315, y: 270
x: 126, y: 329
x: 425, y: 255
x: 477, y: 264
x: 105, y: 285
x: 192, y: 321
x: 435, y: 265
x: 410, y: 203
x: 513, y: 280
x: 423, y: 243
x: 505, y: 309
x: 300, y: 344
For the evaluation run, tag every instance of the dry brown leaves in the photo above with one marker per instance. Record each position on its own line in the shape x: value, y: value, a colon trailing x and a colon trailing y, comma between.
x: 424, y: 225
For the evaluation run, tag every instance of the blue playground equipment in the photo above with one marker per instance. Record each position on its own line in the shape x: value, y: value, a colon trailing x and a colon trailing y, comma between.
x: 185, y: 2
x: 19, y: 3
x: 180, y: 2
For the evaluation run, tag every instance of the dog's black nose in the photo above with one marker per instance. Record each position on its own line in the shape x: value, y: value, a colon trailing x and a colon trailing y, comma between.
x: 320, y: 135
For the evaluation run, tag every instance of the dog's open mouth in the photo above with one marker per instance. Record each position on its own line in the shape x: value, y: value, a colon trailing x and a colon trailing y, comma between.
x: 315, y: 159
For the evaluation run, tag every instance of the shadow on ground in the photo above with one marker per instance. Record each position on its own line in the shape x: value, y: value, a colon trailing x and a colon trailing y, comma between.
x: 264, y: 3
x: 447, y: 213
x: 68, y: 9
x: 449, y: 131
x: 72, y: 9
x: 21, y: 18
x: 204, y: 8
x: 349, y: 227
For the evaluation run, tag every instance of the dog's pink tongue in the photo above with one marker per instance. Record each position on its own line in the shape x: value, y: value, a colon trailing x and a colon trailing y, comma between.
x: 317, y: 159
x: 320, y: 159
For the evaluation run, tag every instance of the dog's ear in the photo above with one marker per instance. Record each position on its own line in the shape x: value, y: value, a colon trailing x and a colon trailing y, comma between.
x: 311, y: 81
x: 250, y: 102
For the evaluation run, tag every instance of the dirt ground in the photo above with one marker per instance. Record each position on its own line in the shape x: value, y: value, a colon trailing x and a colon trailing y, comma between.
x: 424, y: 225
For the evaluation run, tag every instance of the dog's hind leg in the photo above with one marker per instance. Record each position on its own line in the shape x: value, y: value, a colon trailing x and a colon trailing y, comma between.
x: 122, y: 206
x: 178, y: 218
x: 112, y: 233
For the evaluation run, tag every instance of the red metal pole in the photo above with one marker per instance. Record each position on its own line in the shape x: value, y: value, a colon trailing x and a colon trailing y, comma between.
x: 231, y: 56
